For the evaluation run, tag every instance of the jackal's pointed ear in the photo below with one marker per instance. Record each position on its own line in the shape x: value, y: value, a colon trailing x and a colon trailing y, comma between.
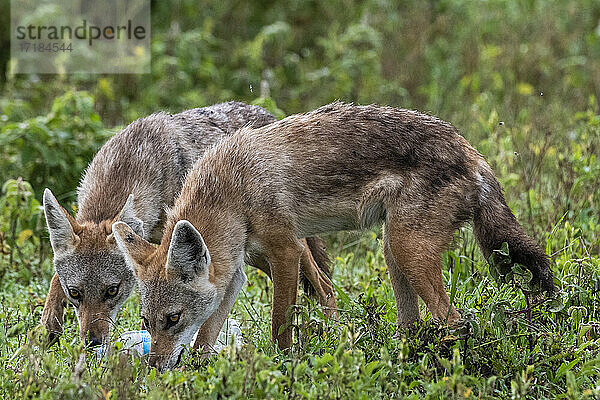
x: 188, y: 255
x: 134, y: 247
x: 128, y: 216
x: 62, y: 226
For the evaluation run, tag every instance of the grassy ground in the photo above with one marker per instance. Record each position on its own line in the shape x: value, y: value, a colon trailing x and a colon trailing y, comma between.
x: 504, y: 350
x: 500, y: 352
x: 520, y: 79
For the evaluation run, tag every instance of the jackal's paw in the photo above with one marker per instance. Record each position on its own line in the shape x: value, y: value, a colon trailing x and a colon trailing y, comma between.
x: 407, y: 329
x: 449, y: 318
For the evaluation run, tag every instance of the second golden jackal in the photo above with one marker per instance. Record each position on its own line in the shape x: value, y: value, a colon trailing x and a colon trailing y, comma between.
x: 341, y: 167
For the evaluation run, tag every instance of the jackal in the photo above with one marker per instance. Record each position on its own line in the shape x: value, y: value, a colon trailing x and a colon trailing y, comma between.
x: 134, y: 177
x: 341, y: 167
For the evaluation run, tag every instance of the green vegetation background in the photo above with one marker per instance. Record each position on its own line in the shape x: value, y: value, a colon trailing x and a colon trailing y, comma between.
x: 520, y: 79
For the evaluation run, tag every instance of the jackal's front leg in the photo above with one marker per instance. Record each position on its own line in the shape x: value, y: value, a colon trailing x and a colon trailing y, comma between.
x: 284, y: 259
x: 54, y: 309
x: 209, y: 331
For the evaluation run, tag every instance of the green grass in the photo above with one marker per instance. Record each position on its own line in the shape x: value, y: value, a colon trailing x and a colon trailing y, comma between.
x: 500, y: 352
x: 518, y: 78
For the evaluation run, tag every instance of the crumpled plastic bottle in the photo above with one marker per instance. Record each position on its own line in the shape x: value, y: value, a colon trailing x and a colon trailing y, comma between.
x: 138, y: 342
x: 231, y: 334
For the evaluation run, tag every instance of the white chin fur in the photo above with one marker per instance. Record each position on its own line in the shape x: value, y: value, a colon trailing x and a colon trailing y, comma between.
x: 184, y: 343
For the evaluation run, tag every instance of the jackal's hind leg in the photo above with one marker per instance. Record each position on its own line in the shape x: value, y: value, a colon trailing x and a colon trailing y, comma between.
x: 407, y: 302
x: 418, y: 256
x: 319, y: 281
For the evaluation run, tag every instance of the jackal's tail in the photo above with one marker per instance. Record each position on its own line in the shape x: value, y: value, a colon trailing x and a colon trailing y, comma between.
x: 319, y: 253
x: 494, y: 223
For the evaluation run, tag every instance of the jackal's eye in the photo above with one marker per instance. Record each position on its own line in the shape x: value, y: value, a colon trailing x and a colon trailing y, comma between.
x: 112, y: 291
x: 74, y: 293
x: 172, y: 320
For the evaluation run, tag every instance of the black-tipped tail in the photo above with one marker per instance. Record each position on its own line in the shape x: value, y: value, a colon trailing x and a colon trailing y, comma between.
x: 494, y: 223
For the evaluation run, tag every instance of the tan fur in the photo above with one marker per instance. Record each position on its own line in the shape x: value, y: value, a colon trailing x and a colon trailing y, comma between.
x: 134, y: 178
x: 319, y: 281
x: 341, y: 167
x: 54, y: 309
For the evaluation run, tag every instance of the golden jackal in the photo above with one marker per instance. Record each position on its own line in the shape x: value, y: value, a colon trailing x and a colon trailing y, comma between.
x: 341, y: 167
x: 149, y: 160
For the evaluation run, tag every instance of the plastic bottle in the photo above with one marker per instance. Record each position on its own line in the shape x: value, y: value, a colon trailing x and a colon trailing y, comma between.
x: 230, y: 331
x: 138, y: 342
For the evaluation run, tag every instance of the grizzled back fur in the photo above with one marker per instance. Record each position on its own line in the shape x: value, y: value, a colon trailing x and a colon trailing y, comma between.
x: 364, y: 162
x: 134, y: 177
x: 151, y: 157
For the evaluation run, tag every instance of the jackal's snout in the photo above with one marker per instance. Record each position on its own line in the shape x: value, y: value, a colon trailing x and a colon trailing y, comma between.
x: 164, y: 362
x: 94, y: 327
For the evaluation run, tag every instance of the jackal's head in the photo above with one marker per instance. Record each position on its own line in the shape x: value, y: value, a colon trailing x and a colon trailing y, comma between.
x: 176, y: 294
x: 90, y: 266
